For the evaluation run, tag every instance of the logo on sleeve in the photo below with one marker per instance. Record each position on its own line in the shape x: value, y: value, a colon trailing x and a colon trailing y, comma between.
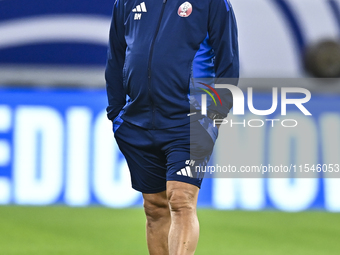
x: 185, y: 10
x: 139, y: 10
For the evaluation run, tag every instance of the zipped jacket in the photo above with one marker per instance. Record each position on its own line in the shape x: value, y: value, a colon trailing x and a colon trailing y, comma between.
x: 156, y: 47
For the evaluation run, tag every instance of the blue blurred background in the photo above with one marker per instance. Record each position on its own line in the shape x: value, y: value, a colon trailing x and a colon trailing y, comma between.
x: 57, y: 147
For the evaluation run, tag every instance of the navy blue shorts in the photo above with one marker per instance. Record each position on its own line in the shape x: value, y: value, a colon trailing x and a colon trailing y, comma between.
x: 155, y: 156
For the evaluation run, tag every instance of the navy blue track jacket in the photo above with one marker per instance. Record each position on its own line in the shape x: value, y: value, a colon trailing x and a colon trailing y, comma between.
x: 156, y: 47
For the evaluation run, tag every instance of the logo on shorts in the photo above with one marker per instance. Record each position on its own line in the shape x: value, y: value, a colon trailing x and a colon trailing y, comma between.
x: 186, y: 171
x: 185, y: 10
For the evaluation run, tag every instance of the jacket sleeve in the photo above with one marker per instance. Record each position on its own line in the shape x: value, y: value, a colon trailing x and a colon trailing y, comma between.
x: 222, y: 29
x: 115, y: 62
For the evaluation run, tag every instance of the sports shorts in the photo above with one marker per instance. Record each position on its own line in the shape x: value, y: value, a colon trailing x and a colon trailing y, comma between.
x: 155, y: 156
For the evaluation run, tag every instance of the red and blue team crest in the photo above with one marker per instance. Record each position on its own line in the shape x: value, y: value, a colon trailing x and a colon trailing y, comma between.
x: 185, y: 10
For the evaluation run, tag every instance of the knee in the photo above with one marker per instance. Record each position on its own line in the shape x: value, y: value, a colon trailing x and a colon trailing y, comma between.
x: 156, y: 209
x: 181, y: 201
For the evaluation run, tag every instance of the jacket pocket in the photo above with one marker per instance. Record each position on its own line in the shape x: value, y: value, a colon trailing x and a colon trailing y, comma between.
x: 117, y: 122
x: 125, y: 79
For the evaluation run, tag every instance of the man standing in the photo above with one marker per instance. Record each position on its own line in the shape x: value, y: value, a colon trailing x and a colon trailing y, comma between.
x: 156, y: 48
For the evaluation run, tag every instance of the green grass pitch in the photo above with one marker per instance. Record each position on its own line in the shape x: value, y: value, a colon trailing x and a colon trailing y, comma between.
x: 96, y: 230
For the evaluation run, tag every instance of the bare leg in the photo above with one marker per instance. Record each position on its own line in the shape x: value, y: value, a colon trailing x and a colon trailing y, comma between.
x: 184, y: 230
x: 158, y: 220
